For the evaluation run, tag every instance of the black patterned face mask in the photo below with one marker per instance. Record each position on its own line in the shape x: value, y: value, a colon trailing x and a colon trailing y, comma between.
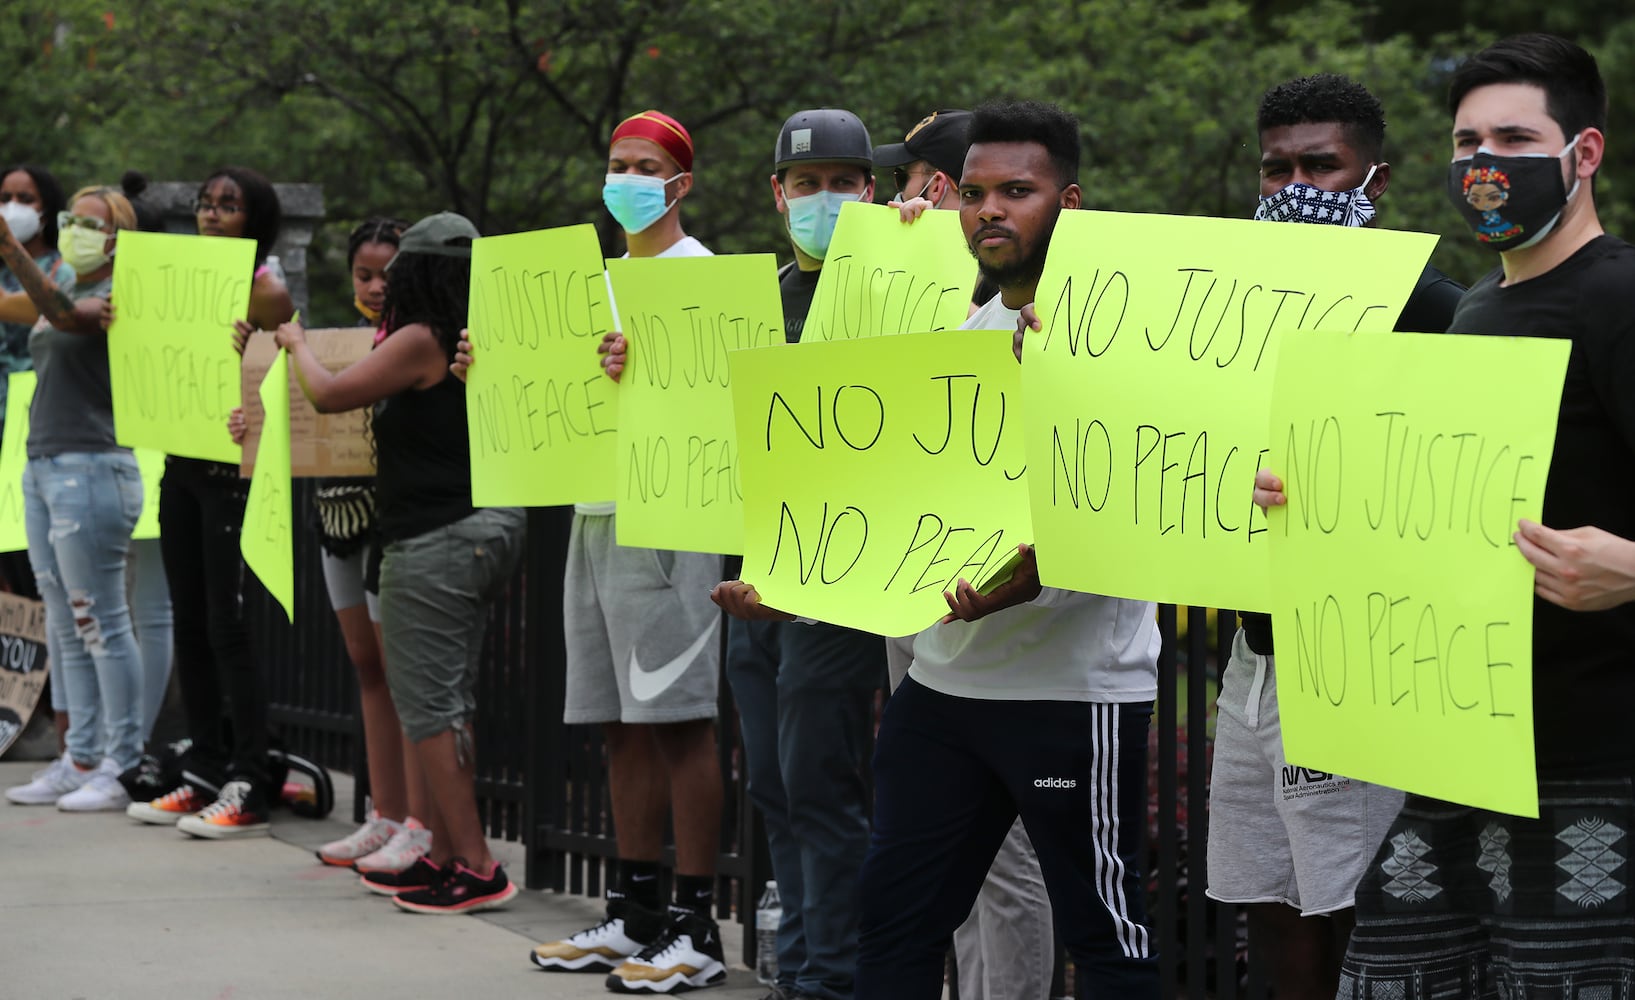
x: 1510, y: 202
x: 1300, y: 202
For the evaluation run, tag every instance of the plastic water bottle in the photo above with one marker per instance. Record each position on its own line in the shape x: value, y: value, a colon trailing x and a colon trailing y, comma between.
x: 768, y: 915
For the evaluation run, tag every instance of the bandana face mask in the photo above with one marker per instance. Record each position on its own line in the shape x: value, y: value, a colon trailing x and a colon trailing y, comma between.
x: 1301, y: 202
x: 1510, y: 202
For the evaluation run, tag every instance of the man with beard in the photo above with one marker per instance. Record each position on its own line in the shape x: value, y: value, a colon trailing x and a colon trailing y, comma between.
x: 1024, y: 701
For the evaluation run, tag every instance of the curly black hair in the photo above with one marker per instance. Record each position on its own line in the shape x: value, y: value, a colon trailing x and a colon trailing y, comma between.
x: 378, y: 229
x: 430, y: 289
x: 1031, y: 121
x: 1327, y: 98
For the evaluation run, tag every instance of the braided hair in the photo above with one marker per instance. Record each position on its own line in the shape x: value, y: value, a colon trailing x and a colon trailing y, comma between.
x: 430, y: 289
x: 378, y: 229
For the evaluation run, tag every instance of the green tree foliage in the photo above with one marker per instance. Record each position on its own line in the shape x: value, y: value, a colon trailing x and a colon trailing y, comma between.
x: 501, y: 110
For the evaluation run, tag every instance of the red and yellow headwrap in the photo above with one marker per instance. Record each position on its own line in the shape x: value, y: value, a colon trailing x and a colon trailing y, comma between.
x: 656, y: 126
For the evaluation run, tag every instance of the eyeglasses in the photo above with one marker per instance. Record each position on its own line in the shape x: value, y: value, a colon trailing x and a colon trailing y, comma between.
x: 68, y: 220
x: 223, y: 208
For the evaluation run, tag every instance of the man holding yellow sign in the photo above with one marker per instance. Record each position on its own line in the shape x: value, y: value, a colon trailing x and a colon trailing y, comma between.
x: 1458, y: 898
x: 1022, y: 700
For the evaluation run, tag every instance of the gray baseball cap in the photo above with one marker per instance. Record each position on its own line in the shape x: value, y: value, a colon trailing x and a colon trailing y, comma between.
x: 824, y: 135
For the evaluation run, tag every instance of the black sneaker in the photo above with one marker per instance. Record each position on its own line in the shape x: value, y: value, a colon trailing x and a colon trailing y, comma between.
x: 628, y: 929
x: 460, y: 890
x: 420, y: 875
x: 687, y: 957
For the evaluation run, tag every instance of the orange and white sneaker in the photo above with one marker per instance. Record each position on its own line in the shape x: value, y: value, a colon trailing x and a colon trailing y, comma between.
x: 167, y: 809
x: 240, y: 811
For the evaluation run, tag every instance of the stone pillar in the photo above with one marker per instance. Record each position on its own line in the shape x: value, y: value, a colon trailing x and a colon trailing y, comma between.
x: 302, y: 206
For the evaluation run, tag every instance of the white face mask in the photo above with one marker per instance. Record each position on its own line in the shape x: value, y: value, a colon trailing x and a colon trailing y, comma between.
x: 24, y: 221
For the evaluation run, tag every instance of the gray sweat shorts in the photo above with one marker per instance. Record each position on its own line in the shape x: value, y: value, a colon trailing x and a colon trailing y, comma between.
x: 643, y: 636
x: 435, y: 593
x: 1282, y: 834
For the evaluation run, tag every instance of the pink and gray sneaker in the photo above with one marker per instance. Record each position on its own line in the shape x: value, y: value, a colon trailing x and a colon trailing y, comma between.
x: 374, y: 834
x: 408, y: 843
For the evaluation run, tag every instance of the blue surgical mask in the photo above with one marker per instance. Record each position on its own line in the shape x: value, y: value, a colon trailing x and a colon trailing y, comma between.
x: 636, y: 200
x: 812, y: 220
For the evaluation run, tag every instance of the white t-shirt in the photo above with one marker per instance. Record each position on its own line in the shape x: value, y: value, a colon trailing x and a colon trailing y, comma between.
x: 687, y: 246
x: 1061, y: 646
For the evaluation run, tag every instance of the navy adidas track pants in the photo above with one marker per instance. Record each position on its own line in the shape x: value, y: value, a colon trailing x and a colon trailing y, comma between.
x: 951, y: 775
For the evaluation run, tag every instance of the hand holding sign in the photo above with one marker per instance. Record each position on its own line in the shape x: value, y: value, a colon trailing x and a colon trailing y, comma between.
x: 1582, y: 569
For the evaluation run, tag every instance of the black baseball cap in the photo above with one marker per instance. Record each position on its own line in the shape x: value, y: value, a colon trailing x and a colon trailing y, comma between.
x: 939, y: 139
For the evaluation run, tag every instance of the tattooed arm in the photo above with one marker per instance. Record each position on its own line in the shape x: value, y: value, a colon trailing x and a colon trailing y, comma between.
x: 54, y: 303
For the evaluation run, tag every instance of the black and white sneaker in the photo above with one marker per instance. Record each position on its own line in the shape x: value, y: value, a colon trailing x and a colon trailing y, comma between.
x: 687, y: 957
x: 629, y: 928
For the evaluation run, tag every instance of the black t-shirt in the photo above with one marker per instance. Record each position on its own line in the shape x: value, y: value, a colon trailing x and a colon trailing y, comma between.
x: 1583, y: 662
x: 422, y: 460
x: 1430, y: 309
x: 796, y: 287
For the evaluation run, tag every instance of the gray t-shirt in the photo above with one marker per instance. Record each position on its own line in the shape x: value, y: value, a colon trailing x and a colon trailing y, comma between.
x: 73, y: 408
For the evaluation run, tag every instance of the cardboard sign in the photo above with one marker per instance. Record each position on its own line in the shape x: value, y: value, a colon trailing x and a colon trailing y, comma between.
x: 1403, y: 611
x: 22, y: 664
x: 174, y: 371
x: 321, y: 444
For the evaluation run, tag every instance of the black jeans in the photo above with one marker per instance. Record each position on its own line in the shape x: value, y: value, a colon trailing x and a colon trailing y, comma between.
x: 201, y: 512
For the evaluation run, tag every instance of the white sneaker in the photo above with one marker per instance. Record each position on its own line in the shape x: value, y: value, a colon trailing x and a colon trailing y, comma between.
x: 49, y: 785
x: 374, y: 834
x: 101, y: 792
x: 409, y: 842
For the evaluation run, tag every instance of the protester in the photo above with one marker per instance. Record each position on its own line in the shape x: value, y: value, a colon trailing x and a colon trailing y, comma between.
x: 30, y: 199
x: 443, y: 562
x: 1513, y: 906
x: 1293, y: 851
x: 225, y: 793
x: 806, y: 696
x: 1020, y: 694
x: 628, y: 605
x: 1004, y: 949
x: 82, y: 495
x: 343, y: 517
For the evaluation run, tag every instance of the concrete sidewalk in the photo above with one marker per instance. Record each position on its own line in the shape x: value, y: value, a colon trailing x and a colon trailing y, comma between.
x: 98, y: 907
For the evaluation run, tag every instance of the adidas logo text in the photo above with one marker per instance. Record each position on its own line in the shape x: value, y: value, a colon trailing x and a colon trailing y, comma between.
x: 1055, y: 783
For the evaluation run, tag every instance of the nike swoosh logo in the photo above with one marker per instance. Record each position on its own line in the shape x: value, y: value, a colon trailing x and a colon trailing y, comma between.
x: 645, y: 685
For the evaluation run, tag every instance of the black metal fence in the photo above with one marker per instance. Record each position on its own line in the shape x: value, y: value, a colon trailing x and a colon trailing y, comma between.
x: 544, y: 784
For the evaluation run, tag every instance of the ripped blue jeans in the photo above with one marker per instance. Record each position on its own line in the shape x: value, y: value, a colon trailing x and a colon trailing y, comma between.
x: 79, y: 511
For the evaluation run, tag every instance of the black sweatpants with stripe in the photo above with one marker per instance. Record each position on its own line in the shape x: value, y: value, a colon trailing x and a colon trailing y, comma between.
x: 951, y: 775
